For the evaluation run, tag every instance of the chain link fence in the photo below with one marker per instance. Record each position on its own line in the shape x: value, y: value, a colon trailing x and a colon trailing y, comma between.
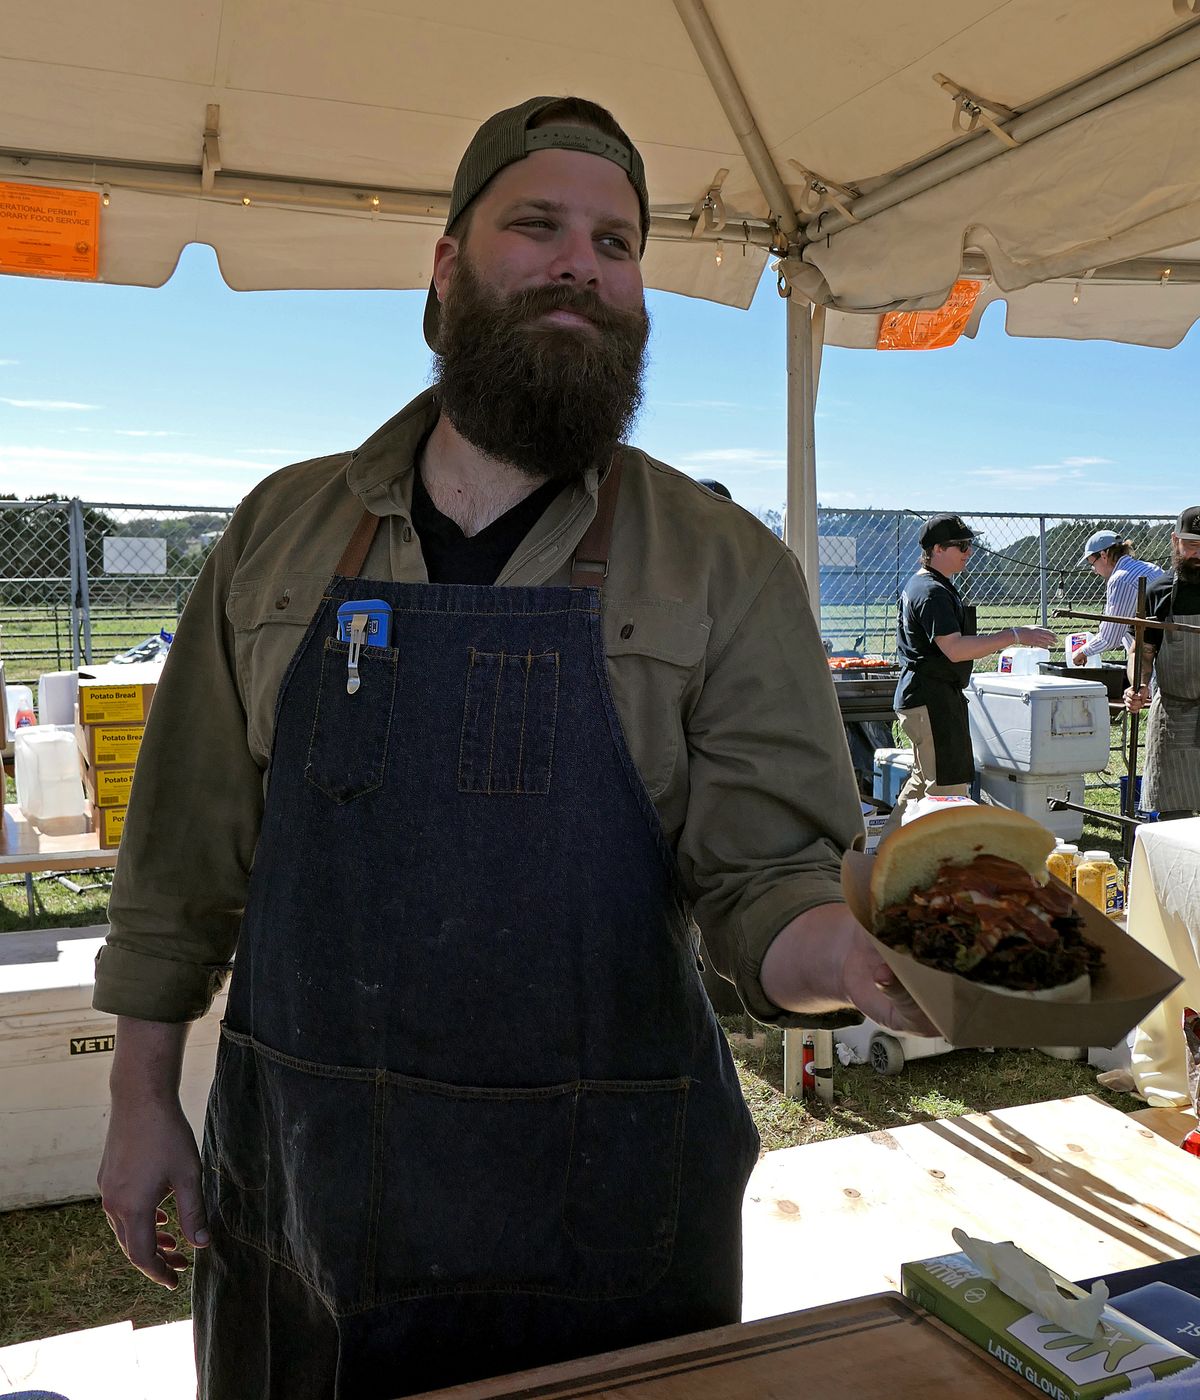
x: 1023, y: 567
x: 84, y: 581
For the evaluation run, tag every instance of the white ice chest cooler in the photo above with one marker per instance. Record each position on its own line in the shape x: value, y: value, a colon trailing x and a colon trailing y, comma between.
x: 1038, y: 724
x: 1034, y: 737
x: 55, y: 1057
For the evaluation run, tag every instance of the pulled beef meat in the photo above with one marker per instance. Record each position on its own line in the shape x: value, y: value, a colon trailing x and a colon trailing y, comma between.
x: 990, y: 921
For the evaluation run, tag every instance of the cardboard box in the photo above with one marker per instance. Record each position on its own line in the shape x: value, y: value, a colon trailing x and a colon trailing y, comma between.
x: 1053, y: 1361
x: 109, y: 745
x: 116, y: 694
x: 874, y: 823
x: 1131, y: 984
x: 107, y: 787
x: 108, y: 823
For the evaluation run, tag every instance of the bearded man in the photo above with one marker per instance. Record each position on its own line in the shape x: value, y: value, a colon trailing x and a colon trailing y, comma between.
x: 461, y: 737
x: 1171, y: 781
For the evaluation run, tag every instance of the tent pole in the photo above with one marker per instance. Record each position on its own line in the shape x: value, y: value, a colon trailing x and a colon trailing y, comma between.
x: 801, y: 527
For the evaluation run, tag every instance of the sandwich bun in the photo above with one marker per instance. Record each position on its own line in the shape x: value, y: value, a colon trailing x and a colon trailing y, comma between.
x: 909, y: 858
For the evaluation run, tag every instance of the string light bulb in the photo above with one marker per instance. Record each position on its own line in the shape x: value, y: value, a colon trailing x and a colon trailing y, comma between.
x: 720, y: 252
x: 375, y: 202
x: 1075, y: 295
x: 245, y: 199
x: 104, y: 195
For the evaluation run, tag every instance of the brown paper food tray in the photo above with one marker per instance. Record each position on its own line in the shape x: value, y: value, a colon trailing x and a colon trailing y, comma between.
x: 1131, y: 984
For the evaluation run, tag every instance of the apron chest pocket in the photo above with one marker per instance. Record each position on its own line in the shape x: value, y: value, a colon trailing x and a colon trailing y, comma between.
x: 509, y: 718
x: 347, y: 751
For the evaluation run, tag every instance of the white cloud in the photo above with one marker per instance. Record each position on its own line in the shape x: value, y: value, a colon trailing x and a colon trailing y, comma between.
x: 114, y: 457
x: 9, y: 362
x: 749, y: 459
x: 1037, y: 476
x: 144, y: 433
x: 51, y: 405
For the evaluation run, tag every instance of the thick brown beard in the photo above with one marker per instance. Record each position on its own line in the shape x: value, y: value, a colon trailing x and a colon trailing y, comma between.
x: 551, y: 401
x: 1187, y: 569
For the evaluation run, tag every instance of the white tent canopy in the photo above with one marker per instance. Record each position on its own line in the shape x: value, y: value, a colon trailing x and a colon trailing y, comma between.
x: 324, y: 108
x: 1046, y: 147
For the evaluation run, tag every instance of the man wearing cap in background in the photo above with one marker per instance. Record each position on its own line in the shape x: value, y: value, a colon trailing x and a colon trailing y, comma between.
x: 936, y: 643
x: 1171, y: 780
x: 472, y: 1111
x: 1112, y: 559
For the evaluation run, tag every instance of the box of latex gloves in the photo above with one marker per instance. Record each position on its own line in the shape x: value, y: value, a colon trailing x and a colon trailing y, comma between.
x: 1090, y: 1349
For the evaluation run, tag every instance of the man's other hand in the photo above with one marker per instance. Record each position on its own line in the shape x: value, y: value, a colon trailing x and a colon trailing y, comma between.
x: 150, y: 1154
x: 1136, y: 699
x: 1078, y: 658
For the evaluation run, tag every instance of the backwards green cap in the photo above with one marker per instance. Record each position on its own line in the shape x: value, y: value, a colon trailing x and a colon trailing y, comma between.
x: 508, y: 137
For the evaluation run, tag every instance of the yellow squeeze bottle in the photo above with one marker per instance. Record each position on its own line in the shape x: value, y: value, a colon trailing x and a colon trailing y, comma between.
x: 1061, y: 862
x: 1097, y: 880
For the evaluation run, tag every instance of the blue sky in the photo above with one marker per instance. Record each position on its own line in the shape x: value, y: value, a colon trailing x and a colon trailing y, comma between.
x: 190, y: 393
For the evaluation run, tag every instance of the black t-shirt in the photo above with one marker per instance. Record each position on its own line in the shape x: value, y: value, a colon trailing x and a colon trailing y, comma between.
x: 452, y: 557
x: 930, y: 607
x: 1159, y: 604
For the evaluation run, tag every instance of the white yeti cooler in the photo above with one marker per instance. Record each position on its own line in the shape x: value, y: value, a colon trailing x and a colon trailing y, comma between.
x: 1030, y: 792
x: 55, y: 1055
x: 1038, y: 724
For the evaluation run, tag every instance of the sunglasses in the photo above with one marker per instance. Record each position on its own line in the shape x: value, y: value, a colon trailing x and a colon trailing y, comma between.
x: 964, y: 545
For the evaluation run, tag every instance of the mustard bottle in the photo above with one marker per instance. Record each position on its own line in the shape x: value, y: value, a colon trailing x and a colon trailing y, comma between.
x: 1061, y: 862
x: 1098, y: 881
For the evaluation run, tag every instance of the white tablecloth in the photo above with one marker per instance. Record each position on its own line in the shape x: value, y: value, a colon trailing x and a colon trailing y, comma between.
x: 1164, y: 916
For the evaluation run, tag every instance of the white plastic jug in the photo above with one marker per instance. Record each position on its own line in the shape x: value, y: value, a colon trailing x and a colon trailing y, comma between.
x: 1075, y: 640
x: 1021, y: 661
x: 46, y: 769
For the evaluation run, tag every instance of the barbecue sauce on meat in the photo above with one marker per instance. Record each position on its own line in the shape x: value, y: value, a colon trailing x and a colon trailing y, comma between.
x: 990, y: 921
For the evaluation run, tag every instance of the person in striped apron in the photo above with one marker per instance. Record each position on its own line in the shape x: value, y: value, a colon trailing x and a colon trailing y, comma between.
x: 1171, y: 781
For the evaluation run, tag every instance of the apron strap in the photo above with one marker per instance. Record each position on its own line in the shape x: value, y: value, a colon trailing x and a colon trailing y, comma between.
x: 351, y: 563
x: 589, y: 567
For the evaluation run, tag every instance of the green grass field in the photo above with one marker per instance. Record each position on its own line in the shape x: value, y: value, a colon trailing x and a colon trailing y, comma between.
x: 871, y: 628
x: 36, y: 640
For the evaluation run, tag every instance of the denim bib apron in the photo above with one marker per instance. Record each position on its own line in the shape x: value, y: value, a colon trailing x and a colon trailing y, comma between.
x: 472, y: 1112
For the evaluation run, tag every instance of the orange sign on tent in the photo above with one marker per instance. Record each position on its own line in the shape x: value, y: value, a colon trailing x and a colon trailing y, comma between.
x: 930, y: 330
x: 48, y: 232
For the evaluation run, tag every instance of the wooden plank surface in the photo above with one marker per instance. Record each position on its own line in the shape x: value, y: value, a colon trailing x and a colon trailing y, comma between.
x: 1173, y: 1124
x: 877, y: 1348
x: 1081, y: 1186
x: 66, y: 844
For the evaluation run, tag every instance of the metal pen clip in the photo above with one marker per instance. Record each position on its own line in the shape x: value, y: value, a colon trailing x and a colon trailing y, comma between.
x: 358, y: 636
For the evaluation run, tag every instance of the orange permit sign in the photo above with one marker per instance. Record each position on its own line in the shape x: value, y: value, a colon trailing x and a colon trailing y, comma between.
x: 930, y: 330
x: 48, y: 232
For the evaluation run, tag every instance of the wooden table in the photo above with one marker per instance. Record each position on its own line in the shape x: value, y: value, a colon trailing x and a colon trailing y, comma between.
x: 1083, y: 1187
x: 64, y: 844
x: 879, y: 1348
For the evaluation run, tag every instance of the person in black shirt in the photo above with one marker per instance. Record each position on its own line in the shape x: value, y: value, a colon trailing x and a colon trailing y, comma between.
x: 936, y: 645
x: 1171, y: 781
